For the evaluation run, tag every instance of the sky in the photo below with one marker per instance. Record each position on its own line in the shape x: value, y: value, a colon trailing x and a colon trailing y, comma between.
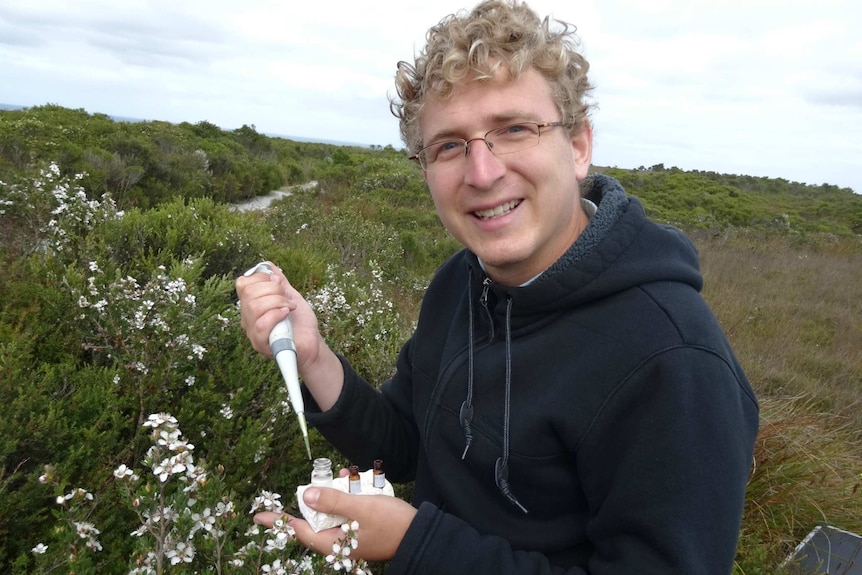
x: 757, y: 87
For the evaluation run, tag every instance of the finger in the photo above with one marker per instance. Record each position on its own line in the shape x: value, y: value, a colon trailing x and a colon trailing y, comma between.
x: 278, y: 273
x: 268, y: 518
x: 260, y: 298
x: 337, y: 502
x: 320, y: 541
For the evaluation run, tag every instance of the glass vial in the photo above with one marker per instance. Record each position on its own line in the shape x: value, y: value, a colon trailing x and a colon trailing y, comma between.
x: 379, y: 476
x: 321, y: 472
x: 354, y: 481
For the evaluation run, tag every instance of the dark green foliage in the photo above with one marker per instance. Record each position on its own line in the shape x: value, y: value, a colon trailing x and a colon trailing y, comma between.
x: 706, y: 200
x: 223, y: 239
x: 143, y: 164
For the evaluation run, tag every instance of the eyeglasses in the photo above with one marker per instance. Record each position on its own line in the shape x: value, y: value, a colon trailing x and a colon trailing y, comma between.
x: 504, y: 140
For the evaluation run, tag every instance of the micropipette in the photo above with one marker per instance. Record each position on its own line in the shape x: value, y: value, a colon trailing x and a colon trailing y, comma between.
x: 283, y: 349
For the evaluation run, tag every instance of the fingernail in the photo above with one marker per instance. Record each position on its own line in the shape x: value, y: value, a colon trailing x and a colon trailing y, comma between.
x: 311, y: 495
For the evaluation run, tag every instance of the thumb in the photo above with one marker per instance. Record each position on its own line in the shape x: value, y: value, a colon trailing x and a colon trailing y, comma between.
x: 328, y: 500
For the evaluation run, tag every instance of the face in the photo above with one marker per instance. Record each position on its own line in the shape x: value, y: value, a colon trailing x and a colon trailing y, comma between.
x: 518, y: 212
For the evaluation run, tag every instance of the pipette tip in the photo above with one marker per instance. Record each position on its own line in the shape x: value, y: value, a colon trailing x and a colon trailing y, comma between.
x: 304, y: 428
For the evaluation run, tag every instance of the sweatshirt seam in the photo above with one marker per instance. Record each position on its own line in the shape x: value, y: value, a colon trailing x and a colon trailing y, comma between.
x: 708, y: 349
x: 632, y: 375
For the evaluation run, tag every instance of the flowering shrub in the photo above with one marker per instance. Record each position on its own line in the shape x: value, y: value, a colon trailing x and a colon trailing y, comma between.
x: 358, y: 315
x: 187, y: 521
x: 75, y: 537
x: 114, y: 316
x: 53, y: 212
x: 154, y: 331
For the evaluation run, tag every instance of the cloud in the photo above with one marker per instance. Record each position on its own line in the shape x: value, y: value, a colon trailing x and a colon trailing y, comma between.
x: 766, y: 87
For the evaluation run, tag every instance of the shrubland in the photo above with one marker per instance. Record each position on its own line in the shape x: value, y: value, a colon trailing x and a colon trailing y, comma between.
x: 139, y: 430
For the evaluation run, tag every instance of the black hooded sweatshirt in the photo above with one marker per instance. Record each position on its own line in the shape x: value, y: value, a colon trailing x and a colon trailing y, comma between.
x: 593, y: 421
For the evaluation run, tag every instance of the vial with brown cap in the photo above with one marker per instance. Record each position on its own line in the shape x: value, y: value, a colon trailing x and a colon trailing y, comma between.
x: 354, y: 482
x: 379, y: 475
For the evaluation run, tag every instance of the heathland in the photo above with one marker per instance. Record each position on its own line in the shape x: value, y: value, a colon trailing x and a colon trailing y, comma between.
x: 138, y: 428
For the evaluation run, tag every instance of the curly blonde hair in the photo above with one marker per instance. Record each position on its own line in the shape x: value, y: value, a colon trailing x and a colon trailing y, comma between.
x: 494, y: 35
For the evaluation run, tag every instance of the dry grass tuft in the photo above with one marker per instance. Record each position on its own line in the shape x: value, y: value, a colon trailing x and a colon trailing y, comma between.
x: 794, y: 315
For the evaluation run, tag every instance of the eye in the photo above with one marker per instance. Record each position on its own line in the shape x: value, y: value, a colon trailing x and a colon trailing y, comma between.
x: 515, y: 128
x: 515, y: 131
x: 448, y: 150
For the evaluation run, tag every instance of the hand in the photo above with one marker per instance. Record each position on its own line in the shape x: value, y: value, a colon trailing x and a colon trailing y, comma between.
x: 265, y: 299
x: 383, y: 521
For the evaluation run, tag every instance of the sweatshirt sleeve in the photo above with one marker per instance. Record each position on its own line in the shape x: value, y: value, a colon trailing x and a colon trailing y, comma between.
x: 669, y: 456
x: 365, y: 424
x: 439, y: 543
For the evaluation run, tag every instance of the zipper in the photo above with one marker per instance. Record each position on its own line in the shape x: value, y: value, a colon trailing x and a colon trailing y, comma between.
x: 483, y: 299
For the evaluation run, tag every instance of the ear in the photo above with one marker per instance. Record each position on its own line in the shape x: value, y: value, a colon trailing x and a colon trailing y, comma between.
x: 582, y: 150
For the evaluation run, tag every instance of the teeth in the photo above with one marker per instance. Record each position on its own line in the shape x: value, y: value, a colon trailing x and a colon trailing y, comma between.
x: 498, y: 211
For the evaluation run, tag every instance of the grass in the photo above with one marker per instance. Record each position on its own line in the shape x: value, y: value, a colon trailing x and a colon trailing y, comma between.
x: 794, y: 315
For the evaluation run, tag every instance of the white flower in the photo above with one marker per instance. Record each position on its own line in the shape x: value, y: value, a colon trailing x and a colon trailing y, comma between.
x: 198, y: 351
x: 276, y: 568
x: 122, y: 472
x: 39, y: 549
x: 267, y: 501
x: 205, y: 521
x: 223, y: 508
x: 89, y: 532
x: 183, y: 553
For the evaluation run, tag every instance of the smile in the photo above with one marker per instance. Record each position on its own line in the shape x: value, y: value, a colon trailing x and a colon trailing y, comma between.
x: 500, y: 210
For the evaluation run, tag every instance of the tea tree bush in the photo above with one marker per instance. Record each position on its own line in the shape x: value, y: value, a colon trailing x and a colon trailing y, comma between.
x: 187, y: 520
x: 224, y: 241
x: 124, y: 319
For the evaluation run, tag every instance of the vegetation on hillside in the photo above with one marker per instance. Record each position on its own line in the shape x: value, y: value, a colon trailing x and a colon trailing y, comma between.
x: 118, y: 319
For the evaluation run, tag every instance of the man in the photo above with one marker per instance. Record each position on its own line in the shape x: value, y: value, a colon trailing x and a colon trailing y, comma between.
x: 567, y: 403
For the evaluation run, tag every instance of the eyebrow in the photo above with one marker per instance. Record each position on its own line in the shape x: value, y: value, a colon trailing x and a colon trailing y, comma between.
x: 496, y: 120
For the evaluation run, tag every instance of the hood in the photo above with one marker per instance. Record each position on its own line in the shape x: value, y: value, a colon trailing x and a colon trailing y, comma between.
x: 600, y: 264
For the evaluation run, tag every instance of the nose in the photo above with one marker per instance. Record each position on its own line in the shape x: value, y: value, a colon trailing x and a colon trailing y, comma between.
x: 482, y: 168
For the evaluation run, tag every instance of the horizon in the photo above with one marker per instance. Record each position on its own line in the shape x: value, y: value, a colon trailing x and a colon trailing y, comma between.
x: 739, y: 87
x: 118, y: 118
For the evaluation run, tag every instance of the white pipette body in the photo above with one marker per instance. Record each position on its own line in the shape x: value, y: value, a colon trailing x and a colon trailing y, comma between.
x: 283, y: 349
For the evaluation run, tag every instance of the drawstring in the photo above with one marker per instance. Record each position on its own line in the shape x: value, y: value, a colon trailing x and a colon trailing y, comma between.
x: 466, y: 413
x: 501, y: 469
